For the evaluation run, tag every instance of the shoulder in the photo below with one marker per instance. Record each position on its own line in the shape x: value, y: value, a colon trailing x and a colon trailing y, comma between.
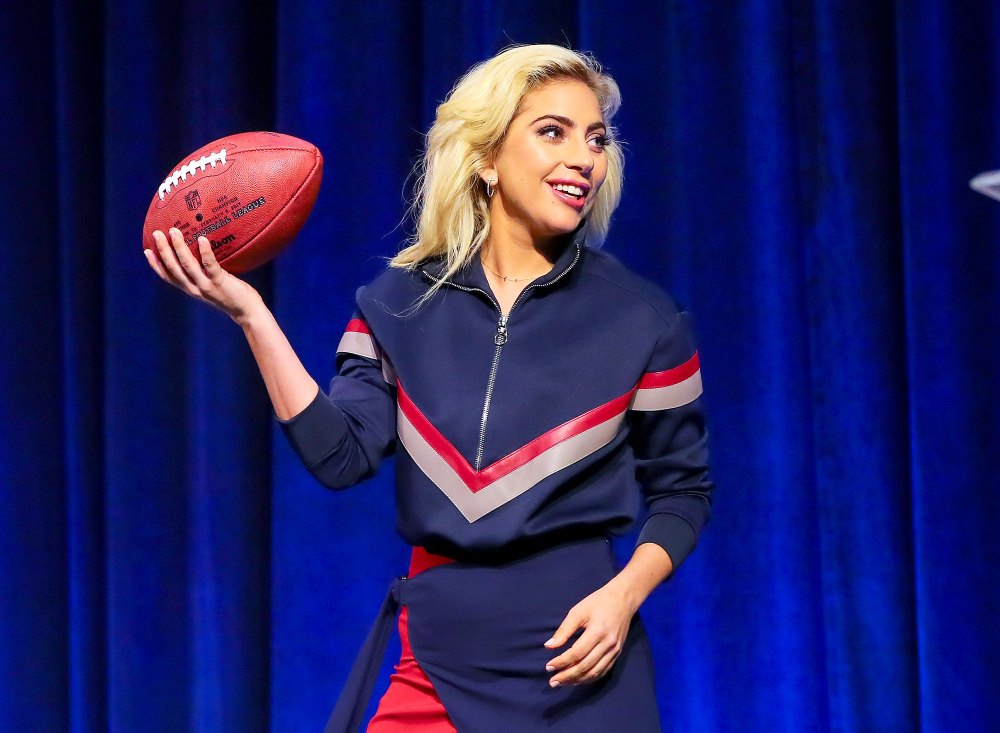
x: 393, y: 290
x: 614, y: 280
x: 650, y: 309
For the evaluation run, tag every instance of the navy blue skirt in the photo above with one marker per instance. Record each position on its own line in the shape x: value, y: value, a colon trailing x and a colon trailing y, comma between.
x: 477, y: 631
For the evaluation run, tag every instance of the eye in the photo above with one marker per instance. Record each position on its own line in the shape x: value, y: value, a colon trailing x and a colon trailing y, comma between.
x: 599, y: 142
x: 551, y: 132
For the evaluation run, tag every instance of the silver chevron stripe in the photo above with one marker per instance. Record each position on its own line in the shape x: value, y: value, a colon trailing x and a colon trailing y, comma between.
x: 388, y: 371
x: 476, y: 505
x: 665, y: 398
x: 355, y: 342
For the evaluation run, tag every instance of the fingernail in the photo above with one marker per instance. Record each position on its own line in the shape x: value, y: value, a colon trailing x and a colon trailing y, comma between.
x: 549, y: 641
x: 554, y: 683
x: 549, y: 668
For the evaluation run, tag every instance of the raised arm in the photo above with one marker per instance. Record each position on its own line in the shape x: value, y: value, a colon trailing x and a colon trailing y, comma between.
x: 342, y: 436
x: 288, y: 383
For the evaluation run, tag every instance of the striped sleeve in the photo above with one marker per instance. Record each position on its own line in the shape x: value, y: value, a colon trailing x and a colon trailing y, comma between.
x: 670, y: 443
x: 344, y: 434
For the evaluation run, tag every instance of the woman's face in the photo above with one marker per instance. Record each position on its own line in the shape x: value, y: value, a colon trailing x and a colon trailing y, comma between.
x: 552, y: 162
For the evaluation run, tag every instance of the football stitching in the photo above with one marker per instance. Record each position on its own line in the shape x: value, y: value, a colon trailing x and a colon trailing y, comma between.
x: 188, y: 168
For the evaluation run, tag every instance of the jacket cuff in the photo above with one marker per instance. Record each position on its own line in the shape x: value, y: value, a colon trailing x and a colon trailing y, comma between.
x: 317, y: 431
x: 671, y: 532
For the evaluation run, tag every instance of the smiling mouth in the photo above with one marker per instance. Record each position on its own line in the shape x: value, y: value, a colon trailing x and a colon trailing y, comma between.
x: 575, y: 191
x: 573, y: 196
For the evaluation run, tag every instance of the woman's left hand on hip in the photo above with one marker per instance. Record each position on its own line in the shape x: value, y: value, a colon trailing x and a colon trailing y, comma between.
x: 605, y: 616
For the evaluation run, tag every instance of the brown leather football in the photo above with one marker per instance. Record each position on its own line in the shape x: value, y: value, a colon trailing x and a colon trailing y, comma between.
x: 249, y: 193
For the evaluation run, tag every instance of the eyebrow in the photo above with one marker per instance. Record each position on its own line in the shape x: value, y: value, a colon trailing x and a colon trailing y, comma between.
x: 569, y: 123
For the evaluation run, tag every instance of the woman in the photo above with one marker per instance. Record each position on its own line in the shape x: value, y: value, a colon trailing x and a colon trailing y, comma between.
x: 533, y: 390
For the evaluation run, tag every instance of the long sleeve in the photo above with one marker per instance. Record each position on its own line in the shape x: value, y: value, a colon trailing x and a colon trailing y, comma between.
x: 670, y: 443
x: 344, y: 434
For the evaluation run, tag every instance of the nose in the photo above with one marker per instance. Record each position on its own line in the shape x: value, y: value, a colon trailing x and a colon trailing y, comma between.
x: 580, y: 157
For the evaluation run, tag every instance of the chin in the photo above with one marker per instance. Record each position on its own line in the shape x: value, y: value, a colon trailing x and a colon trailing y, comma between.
x: 561, y: 225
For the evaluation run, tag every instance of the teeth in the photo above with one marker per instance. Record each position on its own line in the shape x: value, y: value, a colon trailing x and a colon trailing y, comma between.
x: 566, y: 188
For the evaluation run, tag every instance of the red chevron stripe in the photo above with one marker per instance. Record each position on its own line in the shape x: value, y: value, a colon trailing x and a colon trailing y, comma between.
x: 476, y: 481
x: 670, y: 377
x: 434, y: 438
x: 356, y: 324
x: 546, y: 440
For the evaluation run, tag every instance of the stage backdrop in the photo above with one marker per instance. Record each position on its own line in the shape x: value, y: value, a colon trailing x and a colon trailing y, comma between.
x: 796, y: 176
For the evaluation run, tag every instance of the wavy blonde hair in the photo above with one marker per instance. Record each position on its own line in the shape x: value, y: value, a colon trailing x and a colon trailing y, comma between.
x: 450, y: 204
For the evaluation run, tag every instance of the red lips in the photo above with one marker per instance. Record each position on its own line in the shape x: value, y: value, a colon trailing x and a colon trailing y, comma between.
x: 577, y: 202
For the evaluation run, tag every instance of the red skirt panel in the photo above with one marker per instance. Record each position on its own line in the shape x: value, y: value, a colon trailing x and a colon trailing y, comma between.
x: 410, y: 703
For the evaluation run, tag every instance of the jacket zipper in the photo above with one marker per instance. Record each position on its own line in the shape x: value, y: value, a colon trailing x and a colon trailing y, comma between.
x: 500, y: 338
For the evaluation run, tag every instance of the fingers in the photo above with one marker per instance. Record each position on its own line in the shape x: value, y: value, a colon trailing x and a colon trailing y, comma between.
x: 170, y: 265
x: 590, y: 656
x: 173, y: 262
x: 209, y: 264
x: 573, y: 621
x: 600, y: 669
x: 586, y: 661
x: 163, y: 262
x: 154, y: 261
x: 190, y: 266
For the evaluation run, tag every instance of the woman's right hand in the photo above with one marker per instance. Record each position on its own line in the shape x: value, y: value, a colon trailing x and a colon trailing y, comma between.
x: 206, y: 280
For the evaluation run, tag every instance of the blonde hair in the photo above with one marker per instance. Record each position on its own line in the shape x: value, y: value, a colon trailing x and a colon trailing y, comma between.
x: 450, y: 204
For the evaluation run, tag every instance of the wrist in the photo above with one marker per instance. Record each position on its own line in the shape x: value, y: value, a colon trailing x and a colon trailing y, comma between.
x: 633, y: 595
x: 252, y: 314
x: 650, y: 565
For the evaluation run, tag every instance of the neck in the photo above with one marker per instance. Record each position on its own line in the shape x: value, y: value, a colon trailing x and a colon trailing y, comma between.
x: 513, y: 252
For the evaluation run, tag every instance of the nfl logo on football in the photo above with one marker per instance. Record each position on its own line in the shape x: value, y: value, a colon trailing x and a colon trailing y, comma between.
x: 193, y: 200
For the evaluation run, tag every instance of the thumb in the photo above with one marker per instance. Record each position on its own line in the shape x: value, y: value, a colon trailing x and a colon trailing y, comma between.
x: 573, y: 621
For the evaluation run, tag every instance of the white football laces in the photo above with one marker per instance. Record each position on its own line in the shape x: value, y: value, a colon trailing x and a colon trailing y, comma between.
x: 189, y: 169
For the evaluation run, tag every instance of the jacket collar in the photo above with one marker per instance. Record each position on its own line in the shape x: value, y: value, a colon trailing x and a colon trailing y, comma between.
x: 473, y: 275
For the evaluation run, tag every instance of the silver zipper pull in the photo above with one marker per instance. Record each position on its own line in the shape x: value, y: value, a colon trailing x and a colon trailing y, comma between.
x: 500, y: 337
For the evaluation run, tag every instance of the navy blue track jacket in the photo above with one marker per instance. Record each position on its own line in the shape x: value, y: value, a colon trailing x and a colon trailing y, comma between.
x: 553, y: 423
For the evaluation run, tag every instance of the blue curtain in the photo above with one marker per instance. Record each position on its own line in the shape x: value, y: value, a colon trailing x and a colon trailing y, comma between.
x: 796, y: 176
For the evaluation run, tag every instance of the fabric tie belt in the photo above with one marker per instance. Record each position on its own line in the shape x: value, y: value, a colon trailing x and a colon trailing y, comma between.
x: 349, y: 712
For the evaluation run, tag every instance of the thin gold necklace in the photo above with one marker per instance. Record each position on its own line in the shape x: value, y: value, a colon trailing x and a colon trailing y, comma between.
x: 508, y: 278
